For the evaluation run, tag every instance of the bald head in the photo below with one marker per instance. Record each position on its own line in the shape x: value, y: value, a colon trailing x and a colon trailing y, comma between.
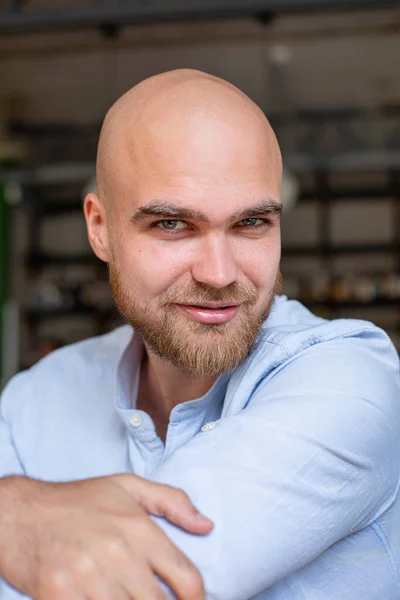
x: 180, y: 119
x: 187, y: 212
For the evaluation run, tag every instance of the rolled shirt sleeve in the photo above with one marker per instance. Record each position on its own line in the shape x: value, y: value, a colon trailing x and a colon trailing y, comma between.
x: 10, y: 463
x: 313, y: 458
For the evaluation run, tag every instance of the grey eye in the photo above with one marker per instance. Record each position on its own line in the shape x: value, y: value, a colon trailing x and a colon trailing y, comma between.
x: 251, y: 222
x: 171, y: 224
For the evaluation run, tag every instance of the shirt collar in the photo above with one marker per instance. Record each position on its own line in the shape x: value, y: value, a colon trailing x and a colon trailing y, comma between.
x: 128, y: 372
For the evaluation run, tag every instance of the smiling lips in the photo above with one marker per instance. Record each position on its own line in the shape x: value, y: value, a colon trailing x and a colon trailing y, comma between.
x: 213, y: 312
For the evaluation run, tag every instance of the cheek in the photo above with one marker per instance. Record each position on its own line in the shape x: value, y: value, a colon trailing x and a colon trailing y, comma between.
x: 151, y: 267
x: 259, y: 261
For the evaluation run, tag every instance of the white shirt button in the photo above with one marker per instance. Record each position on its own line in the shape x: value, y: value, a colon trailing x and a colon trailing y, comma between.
x: 208, y: 426
x: 136, y: 420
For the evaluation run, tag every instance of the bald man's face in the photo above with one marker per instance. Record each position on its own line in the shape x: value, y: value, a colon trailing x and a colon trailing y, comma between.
x: 192, y: 235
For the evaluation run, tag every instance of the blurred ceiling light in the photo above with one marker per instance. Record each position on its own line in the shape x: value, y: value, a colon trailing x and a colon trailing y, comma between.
x: 280, y: 54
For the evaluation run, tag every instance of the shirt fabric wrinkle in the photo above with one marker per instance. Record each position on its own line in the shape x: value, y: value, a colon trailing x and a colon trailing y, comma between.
x: 295, y: 456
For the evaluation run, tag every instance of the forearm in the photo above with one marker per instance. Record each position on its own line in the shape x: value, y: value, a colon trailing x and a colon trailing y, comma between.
x: 13, y: 490
x: 10, y: 491
x: 280, y: 498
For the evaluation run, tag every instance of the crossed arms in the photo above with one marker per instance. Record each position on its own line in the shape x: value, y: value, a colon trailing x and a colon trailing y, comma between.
x: 312, y: 459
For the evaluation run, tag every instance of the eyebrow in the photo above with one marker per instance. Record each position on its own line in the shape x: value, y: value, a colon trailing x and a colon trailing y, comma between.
x: 167, y: 210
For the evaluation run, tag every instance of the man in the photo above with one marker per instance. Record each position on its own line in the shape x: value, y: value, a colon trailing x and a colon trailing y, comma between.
x: 281, y: 427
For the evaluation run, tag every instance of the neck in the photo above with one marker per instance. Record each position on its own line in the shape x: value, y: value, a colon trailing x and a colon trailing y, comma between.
x: 163, y: 386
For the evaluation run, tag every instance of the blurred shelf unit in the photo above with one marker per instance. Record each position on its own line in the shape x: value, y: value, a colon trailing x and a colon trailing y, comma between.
x: 78, y: 309
x: 67, y: 282
x: 66, y: 295
x: 340, y: 304
x: 341, y: 246
x: 42, y: 259
x: 347, y: 162
x: 326, y: 250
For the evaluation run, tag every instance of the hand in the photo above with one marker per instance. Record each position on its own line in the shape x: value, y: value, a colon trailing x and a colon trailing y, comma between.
x: 94, y: 539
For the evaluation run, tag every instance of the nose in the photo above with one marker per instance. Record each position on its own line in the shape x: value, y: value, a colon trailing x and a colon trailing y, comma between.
x: 214, y: 264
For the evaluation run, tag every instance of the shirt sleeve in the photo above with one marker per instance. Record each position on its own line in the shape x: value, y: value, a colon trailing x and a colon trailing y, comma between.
x: 10, y: 463
x: 314, y: 457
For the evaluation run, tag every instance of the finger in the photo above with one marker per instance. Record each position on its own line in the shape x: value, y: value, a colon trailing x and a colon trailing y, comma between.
x: 85, y: 580
x: 105, y: 591
x: 175, y: 505
x: 177, y: 571
x: 97, y: 586
x: 164, y: 559
x: 59, y: 585
x: 140, y: 583
x: 166, y: 501
x: 126, y: 569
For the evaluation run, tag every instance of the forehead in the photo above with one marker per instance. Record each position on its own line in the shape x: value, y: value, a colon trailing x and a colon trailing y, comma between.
x: 206, y: 145
x: 212, y: 196
x: 203, y: 159
x: 216, y: 166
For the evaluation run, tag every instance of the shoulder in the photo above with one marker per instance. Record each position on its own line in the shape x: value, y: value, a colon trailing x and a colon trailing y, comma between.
x: 333, y: 381
x: 344, y: 358
x: 74, y: 367
x: 294, y: 329
x: 298, y: 351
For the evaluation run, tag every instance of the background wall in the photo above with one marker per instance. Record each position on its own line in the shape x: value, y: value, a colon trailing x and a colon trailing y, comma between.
x: 334, y: 60
x: 330, y: 83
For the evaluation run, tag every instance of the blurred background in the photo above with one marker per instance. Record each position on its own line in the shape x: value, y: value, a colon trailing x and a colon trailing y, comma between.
x: 327, y: 74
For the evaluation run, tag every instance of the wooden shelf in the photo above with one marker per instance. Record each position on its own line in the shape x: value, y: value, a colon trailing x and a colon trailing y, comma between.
x: 349, y: 194
x: 51, y: 209
x: 40, y: 260
x: 81, y: 310
x: 331, y: 250
x: 337, y: 304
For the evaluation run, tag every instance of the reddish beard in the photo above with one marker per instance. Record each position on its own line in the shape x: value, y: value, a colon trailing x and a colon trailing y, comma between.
x: 200, y: 349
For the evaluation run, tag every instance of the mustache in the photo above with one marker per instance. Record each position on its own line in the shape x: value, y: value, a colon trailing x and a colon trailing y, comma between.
x: 234, y: 293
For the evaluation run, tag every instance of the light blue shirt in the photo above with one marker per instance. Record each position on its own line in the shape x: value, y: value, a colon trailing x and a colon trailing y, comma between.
x: 295, y: 457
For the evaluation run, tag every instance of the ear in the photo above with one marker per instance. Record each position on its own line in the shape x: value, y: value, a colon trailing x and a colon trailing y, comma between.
x: 96, y: 223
